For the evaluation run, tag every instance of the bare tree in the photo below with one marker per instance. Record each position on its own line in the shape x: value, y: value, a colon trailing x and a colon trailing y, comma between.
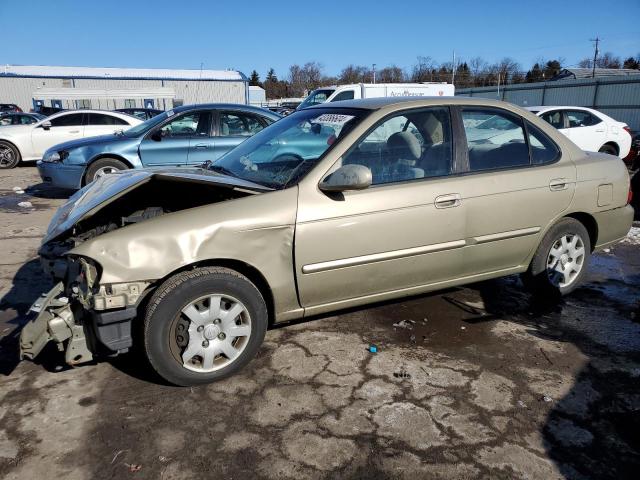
x: 392, y: 74
x: 354, y: 74
x: 423, y: 70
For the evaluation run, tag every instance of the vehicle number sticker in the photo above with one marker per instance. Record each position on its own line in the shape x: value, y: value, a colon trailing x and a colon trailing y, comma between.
x: 332, y: 119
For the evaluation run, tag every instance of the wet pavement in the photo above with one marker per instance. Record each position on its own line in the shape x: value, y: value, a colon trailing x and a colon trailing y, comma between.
x: 477, y: 382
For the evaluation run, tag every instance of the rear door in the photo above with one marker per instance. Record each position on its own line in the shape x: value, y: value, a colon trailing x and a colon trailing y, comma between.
x: 103, y: 124
x: 232, y: 128
x: 64, y: 128
x: 202, y: 143
x: 516, y: 184
x: 586, y: 130
x: 168, y: 144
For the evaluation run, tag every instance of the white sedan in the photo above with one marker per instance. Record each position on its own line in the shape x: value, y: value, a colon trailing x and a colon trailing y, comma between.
x: 28, y: 142
x: 589, y: 129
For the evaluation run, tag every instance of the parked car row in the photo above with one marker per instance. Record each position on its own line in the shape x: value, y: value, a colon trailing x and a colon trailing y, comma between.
x: 331, y: 207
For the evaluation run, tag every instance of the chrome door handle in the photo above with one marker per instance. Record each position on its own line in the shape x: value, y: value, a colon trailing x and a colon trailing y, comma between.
x: 448, y: 201
x: 600, y: 130
x: 201, y: 146
x: 558, y: 184
x: 74, y: 131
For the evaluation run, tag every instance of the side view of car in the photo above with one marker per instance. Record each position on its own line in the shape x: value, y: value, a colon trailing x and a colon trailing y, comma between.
x: 9, y: 107
x: 29, y: 142
x: 591, y: 130
x: 376, y: 199
x: 189, y: 135
x: 14, y: 118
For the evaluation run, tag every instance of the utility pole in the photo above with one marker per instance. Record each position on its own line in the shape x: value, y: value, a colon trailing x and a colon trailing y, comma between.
x: 374, y: 73
x: 453, y: 69
x: 595, y: 55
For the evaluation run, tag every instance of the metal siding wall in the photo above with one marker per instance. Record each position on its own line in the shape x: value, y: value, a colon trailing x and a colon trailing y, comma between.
x: 524, y: 98
x: 619, y: 94
x: 20, y: 91
x: 579, y: 96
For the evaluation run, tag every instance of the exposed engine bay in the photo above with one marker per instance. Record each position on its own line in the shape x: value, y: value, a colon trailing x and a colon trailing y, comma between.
x: 86, y: 318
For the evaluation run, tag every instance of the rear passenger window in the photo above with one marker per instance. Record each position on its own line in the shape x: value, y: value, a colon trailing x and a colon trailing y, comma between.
x: 101, y: 119
x: 346, y: 95
x: 495, y: 139
x: 409, y: 146
x: 581, y: 118
x: 553, y: 118
x: 543, y: 150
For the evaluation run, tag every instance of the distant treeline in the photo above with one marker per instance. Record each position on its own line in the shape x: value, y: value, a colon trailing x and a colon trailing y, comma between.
x: 468, y: 73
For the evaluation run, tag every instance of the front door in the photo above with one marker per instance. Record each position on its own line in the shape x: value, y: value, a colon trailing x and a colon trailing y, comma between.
x: 64, y: 127
x: 405, y: 231
x: 516, y: 184
x: 169, y: 143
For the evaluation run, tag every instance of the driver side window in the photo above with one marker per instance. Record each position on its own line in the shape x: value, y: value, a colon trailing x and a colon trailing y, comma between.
x: 408, y: 146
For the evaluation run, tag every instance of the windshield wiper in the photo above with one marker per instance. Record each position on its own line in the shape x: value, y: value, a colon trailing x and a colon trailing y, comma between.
x: 223, y: 170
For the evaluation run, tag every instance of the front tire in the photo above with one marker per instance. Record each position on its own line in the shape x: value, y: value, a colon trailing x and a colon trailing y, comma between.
x: 102, y: 167
x: 9, y: 155
x: 560, y: 263
x: 204, y: 325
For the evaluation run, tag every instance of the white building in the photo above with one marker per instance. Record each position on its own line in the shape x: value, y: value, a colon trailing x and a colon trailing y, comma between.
x: 111, y: 88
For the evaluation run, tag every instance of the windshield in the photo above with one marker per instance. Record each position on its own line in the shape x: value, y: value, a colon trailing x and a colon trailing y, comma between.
x: 316, y: 97
x: 281, y: 154
x: 144, y: 127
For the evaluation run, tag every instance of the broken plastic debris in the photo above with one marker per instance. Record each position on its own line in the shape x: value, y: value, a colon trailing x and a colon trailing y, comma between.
x: 25, y: 204
x: 547, y: 399
x: 521, y: 404
x: 373, y: 349
x: 406, y: 324
x: 412, y: 339
x: 463, y: 328
x: 15, y: 189
x: 133, y: 467
x: 402, y: 374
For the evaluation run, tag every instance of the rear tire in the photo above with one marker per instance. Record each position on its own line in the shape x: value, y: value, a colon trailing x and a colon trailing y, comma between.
x: 9, y: 155
x: 560, y: 263
x: 610, y: 149
x: 204, y: 325
x: 102, y: 167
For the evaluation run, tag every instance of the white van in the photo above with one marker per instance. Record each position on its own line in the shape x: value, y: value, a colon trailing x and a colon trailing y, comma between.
x: 373, y: 90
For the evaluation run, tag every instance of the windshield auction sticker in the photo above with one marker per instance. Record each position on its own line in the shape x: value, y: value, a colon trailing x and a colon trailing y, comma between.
x: 332, y: 119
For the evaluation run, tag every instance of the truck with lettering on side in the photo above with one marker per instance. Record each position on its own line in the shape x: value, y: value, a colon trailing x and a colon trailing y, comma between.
x: 338, y: 93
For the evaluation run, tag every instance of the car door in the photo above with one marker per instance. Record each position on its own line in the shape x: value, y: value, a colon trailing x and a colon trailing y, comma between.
x: 405, y: 231
x: 233, y: 128
x: 168, y: 144
x: 586, y: 130
x: 64, y: 128
x: 515, y: 186
x: 103, y: 124
x: 202, y: 142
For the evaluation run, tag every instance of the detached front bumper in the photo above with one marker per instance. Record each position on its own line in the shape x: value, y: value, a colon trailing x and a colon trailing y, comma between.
x: 55, y: 322
x: 60, y: 175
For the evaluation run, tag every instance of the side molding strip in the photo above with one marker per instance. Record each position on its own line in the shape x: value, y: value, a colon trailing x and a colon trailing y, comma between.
x: 381, y: 257
x: 523, y: 232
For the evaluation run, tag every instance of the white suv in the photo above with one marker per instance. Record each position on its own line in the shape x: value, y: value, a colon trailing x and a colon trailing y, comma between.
x: 29, y: 142
x: 589, y: 129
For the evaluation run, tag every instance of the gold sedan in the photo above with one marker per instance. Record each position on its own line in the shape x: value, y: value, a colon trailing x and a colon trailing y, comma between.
x: 334, y: 206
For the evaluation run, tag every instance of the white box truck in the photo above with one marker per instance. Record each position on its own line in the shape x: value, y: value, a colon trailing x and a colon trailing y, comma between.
x: 374, y: 90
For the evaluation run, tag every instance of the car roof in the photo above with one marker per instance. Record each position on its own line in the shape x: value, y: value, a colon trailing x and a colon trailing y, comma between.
x: 227, y: 106
x: 546, y: 108
x: 383, y: 102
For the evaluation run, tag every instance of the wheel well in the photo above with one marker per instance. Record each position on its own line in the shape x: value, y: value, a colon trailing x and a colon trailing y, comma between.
x: 614, y: 145
x: 589, y: 223
x: 100, y: 157
x: 245, y: 269
x: 2, y: 140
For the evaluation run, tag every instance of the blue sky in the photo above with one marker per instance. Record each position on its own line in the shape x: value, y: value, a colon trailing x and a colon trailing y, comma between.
x: 245, y: 34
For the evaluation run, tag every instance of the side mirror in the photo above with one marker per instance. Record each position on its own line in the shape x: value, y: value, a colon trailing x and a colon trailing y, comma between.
x: 157, y: 136
x: 46, y: 125
x: 347, y: 177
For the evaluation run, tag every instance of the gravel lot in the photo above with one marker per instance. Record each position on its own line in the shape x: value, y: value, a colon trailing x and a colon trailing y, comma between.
x: 487, y: 383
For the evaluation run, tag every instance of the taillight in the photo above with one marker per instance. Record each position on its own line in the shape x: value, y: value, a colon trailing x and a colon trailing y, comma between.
x: 630, y: 196
x: 627, y: 129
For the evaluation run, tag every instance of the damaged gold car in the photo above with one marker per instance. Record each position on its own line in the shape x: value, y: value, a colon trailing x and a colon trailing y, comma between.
x: 332, y: 207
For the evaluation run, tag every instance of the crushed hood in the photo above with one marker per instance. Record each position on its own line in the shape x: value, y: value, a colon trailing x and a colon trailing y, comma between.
x: 95, y: 196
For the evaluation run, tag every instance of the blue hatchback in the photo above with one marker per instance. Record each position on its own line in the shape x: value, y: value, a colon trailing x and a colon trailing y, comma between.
x: 190, y: 135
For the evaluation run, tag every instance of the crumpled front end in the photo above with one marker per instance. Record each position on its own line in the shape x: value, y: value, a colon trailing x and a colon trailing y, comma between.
x: 55, y: 322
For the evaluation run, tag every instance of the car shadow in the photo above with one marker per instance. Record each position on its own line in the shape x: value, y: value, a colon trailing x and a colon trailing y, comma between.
x: 594, y: 429
x: 26, y: 286
x: 49, y: 192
